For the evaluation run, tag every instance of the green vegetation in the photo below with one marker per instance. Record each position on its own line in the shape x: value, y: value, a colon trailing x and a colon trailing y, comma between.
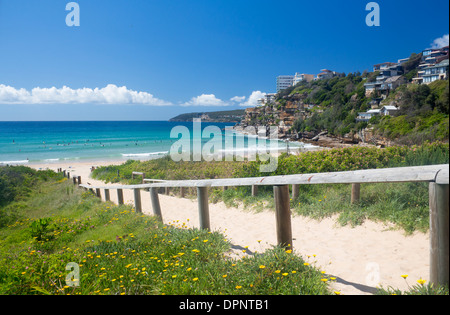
x: 123, y: 252
x: 335, y: 160
x: 50, y: 223
x: 221, y: 116
x: 421, y: 288
x: 339, y: 99
x: 166, y: 168
x: 353, y: 158
x: 423, y: 114
x: 16, y: 184
x: 405, y: 205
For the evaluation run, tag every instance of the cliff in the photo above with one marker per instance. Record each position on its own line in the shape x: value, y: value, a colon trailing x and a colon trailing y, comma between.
x: 282, y: 113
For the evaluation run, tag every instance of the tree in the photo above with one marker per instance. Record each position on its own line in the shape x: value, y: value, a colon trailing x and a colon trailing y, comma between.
x: 442, y: 103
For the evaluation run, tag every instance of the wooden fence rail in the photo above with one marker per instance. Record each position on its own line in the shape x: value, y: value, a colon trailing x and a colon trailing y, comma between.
x: 436, y: 175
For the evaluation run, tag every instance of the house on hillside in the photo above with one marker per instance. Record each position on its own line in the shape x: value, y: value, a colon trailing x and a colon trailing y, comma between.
x: 432, y: 56
x: 388, y: 110
x: 326, y: 74
x: 268, y: 98
x: 383, y: 66
x: 392, y: 83
x: 365, y: 117
x: 428, y: 69
x: 436, y: 72
x: 389, y: 77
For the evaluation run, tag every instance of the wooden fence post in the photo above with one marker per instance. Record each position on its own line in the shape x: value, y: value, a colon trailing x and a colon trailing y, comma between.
x: 74, y: 180
x: 283, y: 215
x: 107, y: 196
x: 155, y: 203
x: 356, y: 193
x: 182, y: 192
x: 137, y: 200
x: 254, y: 190
x: 203, y: 208
x: 120, y: 196
x: 79, y: 180
x: 439, y: 234
x: 295, y: 191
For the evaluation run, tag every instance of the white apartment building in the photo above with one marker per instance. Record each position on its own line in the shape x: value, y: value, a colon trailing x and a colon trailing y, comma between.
x: 284, y: 82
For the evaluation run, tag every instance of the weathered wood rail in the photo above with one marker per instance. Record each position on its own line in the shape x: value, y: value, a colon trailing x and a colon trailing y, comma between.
x: 436, y: 175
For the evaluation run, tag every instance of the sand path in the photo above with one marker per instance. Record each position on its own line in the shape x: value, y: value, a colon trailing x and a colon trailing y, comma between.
x: 361, y: 258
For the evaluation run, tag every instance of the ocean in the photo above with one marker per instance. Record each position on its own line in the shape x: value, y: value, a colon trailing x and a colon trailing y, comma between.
x: 52, y: 142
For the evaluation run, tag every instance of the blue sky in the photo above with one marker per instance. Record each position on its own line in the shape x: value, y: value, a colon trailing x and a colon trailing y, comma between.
x: 152, y: 60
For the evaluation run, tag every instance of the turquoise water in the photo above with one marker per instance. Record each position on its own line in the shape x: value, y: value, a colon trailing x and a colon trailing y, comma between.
x: 28, y: 142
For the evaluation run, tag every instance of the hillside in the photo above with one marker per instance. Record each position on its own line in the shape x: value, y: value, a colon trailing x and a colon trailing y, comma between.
x: 333, y: 106
x: 220, y: 116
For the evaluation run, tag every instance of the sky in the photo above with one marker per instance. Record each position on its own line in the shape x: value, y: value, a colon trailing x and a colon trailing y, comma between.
x: 155, y: 59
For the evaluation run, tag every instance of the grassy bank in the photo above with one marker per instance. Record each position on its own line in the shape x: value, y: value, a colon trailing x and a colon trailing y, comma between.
x: 121, y: 252
x: 405, y: 205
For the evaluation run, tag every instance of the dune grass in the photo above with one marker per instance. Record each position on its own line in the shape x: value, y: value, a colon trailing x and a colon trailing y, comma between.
x: 121, y: 252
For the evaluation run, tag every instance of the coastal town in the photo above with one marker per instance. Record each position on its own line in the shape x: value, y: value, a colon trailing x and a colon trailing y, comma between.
x: 286, y: 106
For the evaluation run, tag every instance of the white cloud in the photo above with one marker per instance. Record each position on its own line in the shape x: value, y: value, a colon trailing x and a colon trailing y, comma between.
x: 111, y: 94
x: 253, y: 99
x: 206, y: 100
x: 440, y: 42
x: 238, y: 99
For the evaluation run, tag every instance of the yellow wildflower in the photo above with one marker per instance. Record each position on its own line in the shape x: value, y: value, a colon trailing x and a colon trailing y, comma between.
x: 421, y: 281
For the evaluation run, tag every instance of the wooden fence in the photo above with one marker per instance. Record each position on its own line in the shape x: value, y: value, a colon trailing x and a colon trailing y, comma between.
x: 436, y: 175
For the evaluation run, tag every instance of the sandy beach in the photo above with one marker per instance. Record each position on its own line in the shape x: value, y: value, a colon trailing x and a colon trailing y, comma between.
x: 361, y: 258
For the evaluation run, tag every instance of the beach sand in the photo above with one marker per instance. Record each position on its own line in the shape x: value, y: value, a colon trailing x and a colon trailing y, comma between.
x: 360, y: 258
